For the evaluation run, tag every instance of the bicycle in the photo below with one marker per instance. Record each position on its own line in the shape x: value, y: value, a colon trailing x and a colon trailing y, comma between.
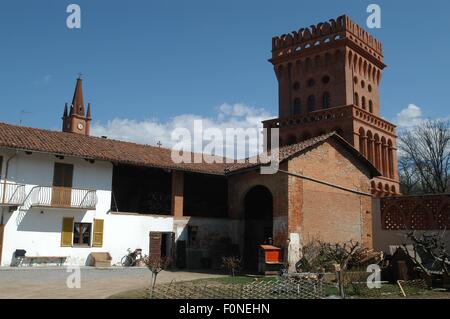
x: 132, y: 258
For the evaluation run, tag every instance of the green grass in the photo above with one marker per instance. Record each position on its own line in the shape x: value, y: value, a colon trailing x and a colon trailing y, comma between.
x: 237, y: 280
x: 132, y: 294
x: 387, y: 291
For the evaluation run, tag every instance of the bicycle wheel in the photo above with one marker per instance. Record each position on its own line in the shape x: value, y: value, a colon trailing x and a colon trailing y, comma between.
x: 126, y: 261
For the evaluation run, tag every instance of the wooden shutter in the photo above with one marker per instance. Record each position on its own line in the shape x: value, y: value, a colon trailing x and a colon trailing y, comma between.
x: 98, y: 233
x: 67, y: 232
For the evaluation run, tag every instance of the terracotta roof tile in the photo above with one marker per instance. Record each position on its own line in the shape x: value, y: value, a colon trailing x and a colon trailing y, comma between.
x: 70, y: 144
x: 287, y: 152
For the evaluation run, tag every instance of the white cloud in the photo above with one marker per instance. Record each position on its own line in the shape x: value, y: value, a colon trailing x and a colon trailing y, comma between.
x: 409, y: 116
x: 151, y: 131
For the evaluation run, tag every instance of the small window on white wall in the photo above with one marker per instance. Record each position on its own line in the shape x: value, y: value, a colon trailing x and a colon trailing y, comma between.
x: 82, y: 234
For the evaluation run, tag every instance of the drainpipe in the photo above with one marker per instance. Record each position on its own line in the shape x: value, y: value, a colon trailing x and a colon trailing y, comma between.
x: 4, y: 185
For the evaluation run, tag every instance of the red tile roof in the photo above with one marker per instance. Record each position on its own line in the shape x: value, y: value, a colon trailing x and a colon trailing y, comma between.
x: 289, y: 151
x: 89, y: 147
x: 71, y: 144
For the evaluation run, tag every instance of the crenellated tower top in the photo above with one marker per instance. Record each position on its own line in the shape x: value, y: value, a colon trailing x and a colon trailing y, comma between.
x: 343, y: 29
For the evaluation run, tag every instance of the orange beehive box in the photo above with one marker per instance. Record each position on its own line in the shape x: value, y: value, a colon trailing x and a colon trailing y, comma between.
x: 272, y: 254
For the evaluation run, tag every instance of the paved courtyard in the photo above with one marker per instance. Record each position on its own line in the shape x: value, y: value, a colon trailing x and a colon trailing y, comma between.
x: 95, y: 282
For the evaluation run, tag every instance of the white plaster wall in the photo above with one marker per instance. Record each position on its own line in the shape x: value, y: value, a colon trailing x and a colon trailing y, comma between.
x: 123, y: 231
x: 38, y: 231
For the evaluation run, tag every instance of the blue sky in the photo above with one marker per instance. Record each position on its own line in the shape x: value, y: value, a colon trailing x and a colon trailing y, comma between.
x: 153, y: 60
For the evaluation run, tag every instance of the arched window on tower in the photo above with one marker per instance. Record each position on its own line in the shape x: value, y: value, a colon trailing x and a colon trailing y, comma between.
x: 297, y: 106
x: 370, y: 106
x: 326, y: 100
x: 363, y: 102
x: 356, y: 99
x: 311, y: 103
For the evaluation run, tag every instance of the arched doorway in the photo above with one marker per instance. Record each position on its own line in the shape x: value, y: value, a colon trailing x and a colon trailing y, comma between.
x: 258, y: 205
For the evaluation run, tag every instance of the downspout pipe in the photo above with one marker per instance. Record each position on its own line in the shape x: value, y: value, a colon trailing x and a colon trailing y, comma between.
x: 5, y: 179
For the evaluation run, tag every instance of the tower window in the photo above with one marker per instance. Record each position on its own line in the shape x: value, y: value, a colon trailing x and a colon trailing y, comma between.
x: 326, y: 100
x: 355, y: 79
x: 370, y: 106
x: 297, y: 106
x: 296, y: 86
x: 369, y: 87
x: 363, y: 103
x: 311, y: 83
x: 363, y: 84
x: 311, y: 103
x: 356, y: 99
x: 326, y: 79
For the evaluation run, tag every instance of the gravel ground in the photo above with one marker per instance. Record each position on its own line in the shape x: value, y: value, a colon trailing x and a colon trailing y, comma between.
x: 25, y: 283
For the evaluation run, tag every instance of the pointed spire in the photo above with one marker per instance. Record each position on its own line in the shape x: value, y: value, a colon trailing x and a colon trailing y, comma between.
x: 88, y: 113
x: 65, y: 110
x: 78, y: 101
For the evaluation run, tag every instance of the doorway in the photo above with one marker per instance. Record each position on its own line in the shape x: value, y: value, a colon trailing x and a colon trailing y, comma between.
x: 258, y: 205
x: 62, y: 185
x: 161, y: 244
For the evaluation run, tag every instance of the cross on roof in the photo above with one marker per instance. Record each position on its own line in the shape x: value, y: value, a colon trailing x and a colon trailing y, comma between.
x: 159, y: 143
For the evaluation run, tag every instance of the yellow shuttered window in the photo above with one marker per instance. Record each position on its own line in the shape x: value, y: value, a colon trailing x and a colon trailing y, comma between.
x: 67, y: 232
x: 98, y: 233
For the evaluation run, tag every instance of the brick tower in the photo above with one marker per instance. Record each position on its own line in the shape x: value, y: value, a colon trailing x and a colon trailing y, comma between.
x: 328, y: 80
x: 75, y: 120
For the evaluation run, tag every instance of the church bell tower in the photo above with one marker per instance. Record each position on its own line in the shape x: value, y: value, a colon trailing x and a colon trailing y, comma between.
x: 75, y: 120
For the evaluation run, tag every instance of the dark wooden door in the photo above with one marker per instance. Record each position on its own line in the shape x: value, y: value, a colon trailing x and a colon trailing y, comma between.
x: 155, y: 244
x: 62, y: 185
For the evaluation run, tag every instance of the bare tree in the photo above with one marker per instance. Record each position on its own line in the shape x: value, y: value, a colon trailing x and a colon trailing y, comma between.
x: 429, y: 252
x: 409, y: 179
x: 425, y: 157
x: 322, y: 255
x: 156, y: 264
x: 232, y: 264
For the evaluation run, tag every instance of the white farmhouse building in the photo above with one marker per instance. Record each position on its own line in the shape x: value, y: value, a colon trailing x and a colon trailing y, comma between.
x: 65, y: 195
x: 56, y: 193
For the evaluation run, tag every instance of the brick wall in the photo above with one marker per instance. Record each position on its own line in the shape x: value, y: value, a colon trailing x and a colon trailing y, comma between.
x: 323, y: 212
x: 309, y: 210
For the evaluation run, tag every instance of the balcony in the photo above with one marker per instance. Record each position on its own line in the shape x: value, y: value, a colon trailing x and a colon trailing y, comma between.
x: 63, y: 197
x: 339, y: 113
x: 12, y: 194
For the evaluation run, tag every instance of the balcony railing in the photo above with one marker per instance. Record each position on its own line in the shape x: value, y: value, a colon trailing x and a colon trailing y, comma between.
x: 12, y: 194
x: 332, y: 114
x: 63, y: 197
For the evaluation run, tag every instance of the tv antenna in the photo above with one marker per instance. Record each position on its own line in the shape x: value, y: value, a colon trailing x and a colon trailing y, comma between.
x: 22, y: 113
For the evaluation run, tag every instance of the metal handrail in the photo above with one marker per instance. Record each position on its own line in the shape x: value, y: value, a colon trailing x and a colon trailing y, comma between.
x: 12, y: 194
x: 63, y: 197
